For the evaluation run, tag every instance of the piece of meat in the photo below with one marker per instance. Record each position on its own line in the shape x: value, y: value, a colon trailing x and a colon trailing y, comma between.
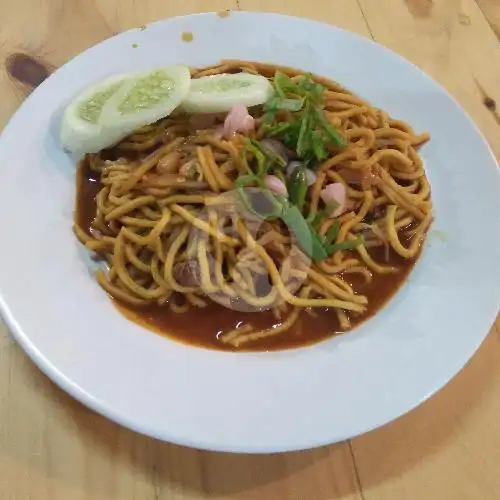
x: 203, y: 120
x: 187, y: 273
x: 365, y: 177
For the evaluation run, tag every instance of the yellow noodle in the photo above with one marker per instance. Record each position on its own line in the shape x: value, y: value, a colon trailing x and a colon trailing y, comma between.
x: 374, y: 266
x: 123, y: 274
x: 250, y: 337
x: 206, y: 282
x: 195, y: 300
x: 128, y: 207
x: 150, y: 162
x: 396, y: 197
x: 207, y: 171
x: 343, y: 319
x: 157, y: 275
x: 367, y: 275
x: 166, y: 198
x: 82, y: 236
x: 414, y: 247
x: 275, y: 276
x: 195, y: 199
x: 169, y: 262
x: 346, y: 227
x: 415, y: 199
x: 331, y: 286
x: 116, y: 292
x: 405, y: 136
x: 232, y: 334
x: 327, y: 267
x: 204, y: 226
x: 135, y: 261
x: 220, y: 177
x: 140, y: 145
x: 178, y: 308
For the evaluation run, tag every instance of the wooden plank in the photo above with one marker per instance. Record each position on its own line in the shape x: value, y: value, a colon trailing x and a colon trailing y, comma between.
x: 128, y: 14
x: 342, y: 13
x: 336, y: 465
x: 491, y: 11
x: 452, y: 41
x: 446, y: 448
x: 64, y: 29
x: 53, y: 448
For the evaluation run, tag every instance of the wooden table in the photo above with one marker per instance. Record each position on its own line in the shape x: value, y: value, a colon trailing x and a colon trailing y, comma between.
x: 52, y: 448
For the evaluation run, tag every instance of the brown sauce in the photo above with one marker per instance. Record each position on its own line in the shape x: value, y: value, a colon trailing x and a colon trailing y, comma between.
x: 201, y: 327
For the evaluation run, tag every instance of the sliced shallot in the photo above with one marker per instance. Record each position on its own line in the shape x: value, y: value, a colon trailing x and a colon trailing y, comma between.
x: 278, y: 148
x: 275, y: 184
x: 238, y: 120
x: 335, y: 194
x: 310, y: 175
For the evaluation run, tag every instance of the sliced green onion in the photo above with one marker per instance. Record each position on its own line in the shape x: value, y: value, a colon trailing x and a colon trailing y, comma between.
x: 271, y: 155
x: 318, y: 146
x: 247, y: 181
x: 290, y: 104
x: 282, y: 83
x: 308, y: 240
x: 297, y: 187
x: 304, y: 129
x: 345, y: 245
x: 332, y: 233
x: 329, y: 129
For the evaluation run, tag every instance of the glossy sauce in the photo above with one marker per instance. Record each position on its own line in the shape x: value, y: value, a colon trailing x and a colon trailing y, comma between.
x: 202, y: 326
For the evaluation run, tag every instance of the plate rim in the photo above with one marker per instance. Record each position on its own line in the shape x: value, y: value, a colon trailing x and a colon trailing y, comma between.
x: 99, y: 406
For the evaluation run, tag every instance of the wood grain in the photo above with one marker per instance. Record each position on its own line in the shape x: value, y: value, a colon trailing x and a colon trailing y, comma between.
x: 52, y: 448
x: 455, y: 54
x: 342, y: 13
x: 491, y: 11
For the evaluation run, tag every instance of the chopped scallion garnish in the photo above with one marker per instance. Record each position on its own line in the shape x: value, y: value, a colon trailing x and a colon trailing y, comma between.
x: 308, y: 131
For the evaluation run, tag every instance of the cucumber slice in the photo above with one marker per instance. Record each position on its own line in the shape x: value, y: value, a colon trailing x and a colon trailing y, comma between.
x: 146, y: 98
x: 81, y: 131
x: 218, y: 93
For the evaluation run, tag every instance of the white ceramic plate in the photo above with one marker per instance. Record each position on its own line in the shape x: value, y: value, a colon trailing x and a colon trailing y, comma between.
x: 249, y: 402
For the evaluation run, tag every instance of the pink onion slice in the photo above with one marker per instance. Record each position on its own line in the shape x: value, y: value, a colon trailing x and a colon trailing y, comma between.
x: 238, y: 120
x: 275, y: 184
x: 335, y: 194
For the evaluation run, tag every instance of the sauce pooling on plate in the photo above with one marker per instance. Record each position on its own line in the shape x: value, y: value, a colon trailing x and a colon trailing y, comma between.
x: 264, y: 222
x: 204, y: 326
